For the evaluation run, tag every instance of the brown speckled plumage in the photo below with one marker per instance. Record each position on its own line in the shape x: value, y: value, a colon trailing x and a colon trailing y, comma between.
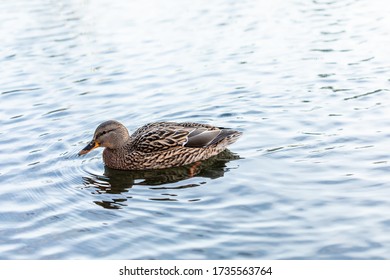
x: 159, y: 145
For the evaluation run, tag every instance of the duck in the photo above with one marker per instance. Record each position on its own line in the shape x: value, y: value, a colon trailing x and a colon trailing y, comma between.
x: 159, y: 145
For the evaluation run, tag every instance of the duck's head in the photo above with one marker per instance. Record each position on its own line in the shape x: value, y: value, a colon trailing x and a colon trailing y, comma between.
x: 110, y: 134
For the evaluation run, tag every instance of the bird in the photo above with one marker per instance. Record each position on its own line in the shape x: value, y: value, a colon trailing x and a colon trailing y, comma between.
x: 159, y: 145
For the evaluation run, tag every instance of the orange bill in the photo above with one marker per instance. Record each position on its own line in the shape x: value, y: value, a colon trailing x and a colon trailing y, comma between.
x: 92, y: 145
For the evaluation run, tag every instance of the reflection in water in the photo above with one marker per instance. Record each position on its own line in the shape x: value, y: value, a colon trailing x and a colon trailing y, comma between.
x: 119, y: 181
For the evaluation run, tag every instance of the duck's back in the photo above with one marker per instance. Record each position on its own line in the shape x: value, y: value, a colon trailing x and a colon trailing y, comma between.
x: 162, y: 125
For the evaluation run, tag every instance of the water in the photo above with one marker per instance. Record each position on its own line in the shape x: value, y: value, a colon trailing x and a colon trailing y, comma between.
x: 307, y: 82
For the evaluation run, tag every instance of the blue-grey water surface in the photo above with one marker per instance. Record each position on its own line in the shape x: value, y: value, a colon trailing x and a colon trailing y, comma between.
x: 307, y: 82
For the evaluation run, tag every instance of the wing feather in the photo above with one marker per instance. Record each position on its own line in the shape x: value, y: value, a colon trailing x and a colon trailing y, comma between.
x: 155, y: 137
x: 159, y: 139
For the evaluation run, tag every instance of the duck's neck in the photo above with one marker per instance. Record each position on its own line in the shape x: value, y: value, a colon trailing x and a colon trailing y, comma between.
x: 115, y: 158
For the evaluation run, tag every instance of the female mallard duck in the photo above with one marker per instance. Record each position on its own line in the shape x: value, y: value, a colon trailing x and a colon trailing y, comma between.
x: 159, y: 145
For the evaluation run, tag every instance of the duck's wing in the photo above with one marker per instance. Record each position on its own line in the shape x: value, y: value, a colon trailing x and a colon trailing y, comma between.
x: 202, y: 137
x: 159, y: 139
x: 156, y: 138
x: 205, y: 135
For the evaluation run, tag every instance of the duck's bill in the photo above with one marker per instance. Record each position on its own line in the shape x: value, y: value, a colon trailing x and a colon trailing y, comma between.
x: 92, y: 145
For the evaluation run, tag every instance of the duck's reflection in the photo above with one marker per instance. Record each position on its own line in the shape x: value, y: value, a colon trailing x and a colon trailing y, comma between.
x: 119, y: 182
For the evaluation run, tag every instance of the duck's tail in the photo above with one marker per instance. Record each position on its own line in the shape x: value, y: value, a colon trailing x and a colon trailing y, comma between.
x: 226, y: 137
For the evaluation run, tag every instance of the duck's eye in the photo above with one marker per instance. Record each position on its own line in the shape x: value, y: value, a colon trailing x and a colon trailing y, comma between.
x: 101, y: 134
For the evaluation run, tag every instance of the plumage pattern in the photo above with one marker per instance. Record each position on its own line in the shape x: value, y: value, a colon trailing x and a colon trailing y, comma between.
x: 159, y: 145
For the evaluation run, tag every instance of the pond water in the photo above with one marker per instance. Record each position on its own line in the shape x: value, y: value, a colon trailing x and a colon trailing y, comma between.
x: 307, y: 82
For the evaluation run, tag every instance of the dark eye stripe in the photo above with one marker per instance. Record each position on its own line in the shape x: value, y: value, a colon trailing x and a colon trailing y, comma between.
x: 104, y: 132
